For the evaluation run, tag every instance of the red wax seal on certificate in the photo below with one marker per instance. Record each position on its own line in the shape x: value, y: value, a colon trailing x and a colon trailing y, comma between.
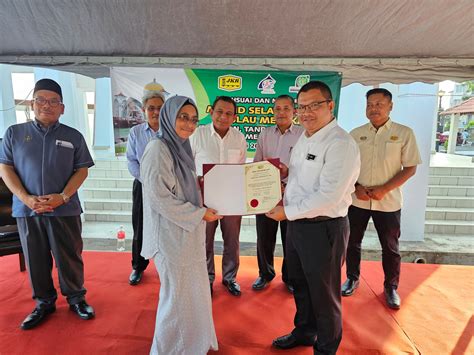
x: 254, y: 203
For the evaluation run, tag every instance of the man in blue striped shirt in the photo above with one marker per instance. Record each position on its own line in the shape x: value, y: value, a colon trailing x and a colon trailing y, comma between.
x: 138, y: 138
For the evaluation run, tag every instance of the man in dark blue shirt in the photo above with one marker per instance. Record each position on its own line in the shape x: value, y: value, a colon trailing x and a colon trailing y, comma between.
x: 43, y: 163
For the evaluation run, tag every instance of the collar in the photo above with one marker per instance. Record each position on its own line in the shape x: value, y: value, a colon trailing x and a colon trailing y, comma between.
x: 213, y: 131
x: 323, y: 131
x: 290, y: 129
x: 387, y: 125
x: 147, y: 127
x: 38, y: 124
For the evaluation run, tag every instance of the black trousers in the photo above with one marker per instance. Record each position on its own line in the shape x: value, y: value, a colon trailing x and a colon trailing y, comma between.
x: 267, y: 229
x: 387, y: 225
x: 139, y: 263
x: 315, y: 254
x: 60, y: 236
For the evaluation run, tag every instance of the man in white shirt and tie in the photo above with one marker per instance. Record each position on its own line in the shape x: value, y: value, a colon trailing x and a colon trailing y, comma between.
x: 219, y: 143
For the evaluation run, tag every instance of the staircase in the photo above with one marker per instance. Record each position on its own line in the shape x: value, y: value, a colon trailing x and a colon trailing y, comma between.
x: 107, y: 197
x: 450, y: 203
x: 107, y: 192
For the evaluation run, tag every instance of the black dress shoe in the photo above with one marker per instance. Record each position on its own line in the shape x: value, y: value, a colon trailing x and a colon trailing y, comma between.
x: 36, y: 317
x: 83, y: 310
x: 135, y: 277
x: 290, y: 288
x: 349, y: 287
x: 260, y: 283
x: 392, y: 298
x: 233, y: 287
x: 289, y: 341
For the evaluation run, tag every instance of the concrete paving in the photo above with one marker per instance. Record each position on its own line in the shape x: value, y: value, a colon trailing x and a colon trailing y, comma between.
x: 443, y: 160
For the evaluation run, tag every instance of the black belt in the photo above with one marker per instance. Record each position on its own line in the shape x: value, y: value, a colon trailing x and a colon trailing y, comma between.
x: 316, y: 219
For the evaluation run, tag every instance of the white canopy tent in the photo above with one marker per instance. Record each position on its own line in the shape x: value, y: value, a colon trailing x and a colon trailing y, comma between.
x: 369, y: 41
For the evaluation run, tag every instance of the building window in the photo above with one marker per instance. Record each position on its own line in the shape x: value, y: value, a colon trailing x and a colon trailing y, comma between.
x: 23, y: 84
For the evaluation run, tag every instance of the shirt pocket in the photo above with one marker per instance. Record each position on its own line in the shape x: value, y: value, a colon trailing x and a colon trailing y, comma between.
x: 233, y: 156
x: 310, y: 173
x: 64, y: 154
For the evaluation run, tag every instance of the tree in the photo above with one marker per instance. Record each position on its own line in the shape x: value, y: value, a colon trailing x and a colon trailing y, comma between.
x: 469, y: 89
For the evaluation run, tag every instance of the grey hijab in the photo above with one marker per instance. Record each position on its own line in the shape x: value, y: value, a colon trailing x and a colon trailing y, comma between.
x: 180, y: 149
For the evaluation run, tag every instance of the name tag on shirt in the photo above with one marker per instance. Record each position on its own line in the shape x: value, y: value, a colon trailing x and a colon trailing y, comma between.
x: 64, y: 144
x: 310, y: 156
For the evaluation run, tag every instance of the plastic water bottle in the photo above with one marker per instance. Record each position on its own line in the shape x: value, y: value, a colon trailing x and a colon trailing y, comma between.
x: 121, y: 239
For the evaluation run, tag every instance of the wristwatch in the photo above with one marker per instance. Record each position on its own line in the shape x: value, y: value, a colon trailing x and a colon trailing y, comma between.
x: 65, y: 197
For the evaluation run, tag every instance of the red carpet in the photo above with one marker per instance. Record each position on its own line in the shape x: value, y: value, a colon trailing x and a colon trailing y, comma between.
x: 435, y: 318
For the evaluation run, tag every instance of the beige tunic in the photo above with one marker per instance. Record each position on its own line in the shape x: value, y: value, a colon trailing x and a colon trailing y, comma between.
x: 174, y: 235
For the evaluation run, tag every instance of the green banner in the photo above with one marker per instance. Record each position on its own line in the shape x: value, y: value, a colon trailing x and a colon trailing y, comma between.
x: 254, y: 92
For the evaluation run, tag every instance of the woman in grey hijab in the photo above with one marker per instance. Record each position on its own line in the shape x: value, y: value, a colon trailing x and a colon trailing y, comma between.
x: 174, y: 234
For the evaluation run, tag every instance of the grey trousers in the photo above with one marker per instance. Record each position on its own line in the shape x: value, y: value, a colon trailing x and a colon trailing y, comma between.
x: 60, y: 236
x: 230, y: 227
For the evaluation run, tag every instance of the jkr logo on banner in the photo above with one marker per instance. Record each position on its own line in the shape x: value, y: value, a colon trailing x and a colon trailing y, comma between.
x: 229, y: 82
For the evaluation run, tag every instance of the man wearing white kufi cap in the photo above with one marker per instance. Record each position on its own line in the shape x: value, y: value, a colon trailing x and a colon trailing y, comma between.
x: 153, y: 99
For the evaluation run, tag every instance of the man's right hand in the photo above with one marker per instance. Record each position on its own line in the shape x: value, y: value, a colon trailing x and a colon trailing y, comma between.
x: 361, y: 193
x: 277, y: 213
x: 211, y: 215
x: 37, y: 204
x: 13, y: 182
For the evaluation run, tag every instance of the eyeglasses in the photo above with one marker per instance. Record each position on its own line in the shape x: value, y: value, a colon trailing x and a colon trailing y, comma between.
x: 185, y: 118
x: 41, y: 101
x: 311, y: 107
x: 153, y: 108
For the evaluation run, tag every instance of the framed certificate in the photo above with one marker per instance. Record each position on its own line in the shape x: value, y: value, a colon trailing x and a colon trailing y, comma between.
x: 242, y: 189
